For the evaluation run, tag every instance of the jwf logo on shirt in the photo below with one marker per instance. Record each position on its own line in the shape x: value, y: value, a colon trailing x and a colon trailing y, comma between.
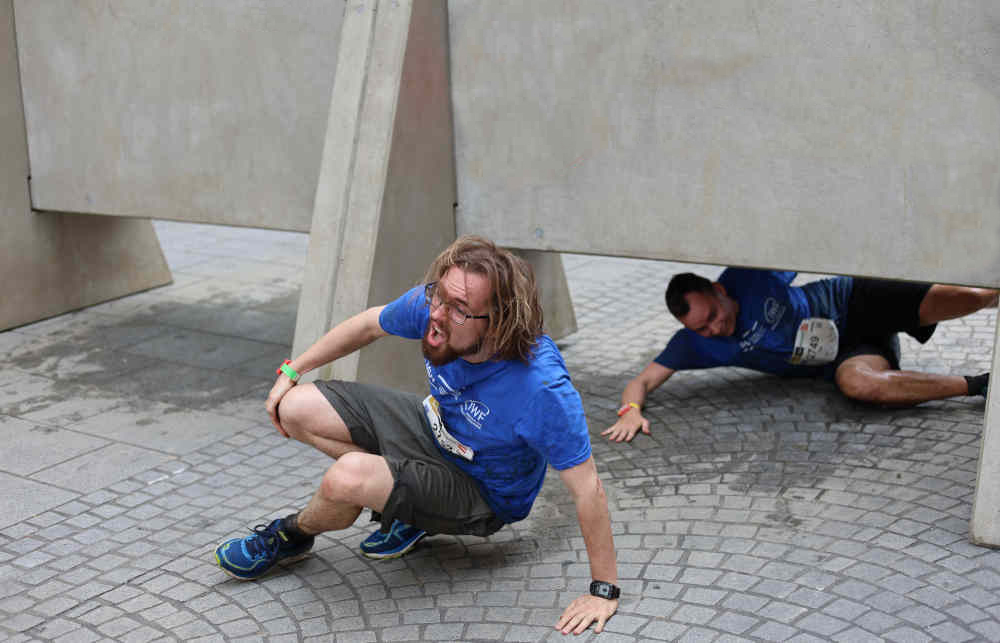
x: 475, y: 412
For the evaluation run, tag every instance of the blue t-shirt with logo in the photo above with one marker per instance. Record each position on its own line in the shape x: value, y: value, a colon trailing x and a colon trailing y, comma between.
x: 515, y: 417
x: 770, y: 312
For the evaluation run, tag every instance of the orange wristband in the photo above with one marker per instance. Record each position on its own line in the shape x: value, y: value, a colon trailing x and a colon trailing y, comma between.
x: 625, y: 407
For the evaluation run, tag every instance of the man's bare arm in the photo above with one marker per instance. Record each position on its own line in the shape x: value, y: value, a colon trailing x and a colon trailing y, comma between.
x: 633, y: 397
x: 343, y: 339
x: 595, y: 523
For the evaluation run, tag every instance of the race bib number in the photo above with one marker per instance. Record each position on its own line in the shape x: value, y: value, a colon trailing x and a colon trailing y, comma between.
x: 446, y: 440
x: 815, y: 342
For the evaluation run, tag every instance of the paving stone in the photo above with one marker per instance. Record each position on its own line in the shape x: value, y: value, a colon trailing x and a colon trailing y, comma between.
x: 822, y: 624
x: 773, y: 632
x: 734, y: 623
x: 79, y: 636
x: 119, y: 626
x: 142, y: 634
x: 907, y: 635
x: 21, y: 622
x: 55, y: 606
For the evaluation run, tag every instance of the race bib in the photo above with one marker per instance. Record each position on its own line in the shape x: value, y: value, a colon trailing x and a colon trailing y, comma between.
x: 446, y: 440
x: 815, y: 342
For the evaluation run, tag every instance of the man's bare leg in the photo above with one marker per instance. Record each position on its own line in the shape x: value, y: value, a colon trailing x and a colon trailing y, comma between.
x: 951, y: 302
x: 308, y: 416
x: 868, y: 378
x: 355, y: 481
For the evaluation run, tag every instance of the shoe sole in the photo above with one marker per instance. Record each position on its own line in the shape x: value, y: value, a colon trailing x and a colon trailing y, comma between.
x: 280, y: 563
x: 395, y: 554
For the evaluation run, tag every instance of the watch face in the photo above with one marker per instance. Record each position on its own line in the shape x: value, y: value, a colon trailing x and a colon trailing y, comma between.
x: 603, y: 590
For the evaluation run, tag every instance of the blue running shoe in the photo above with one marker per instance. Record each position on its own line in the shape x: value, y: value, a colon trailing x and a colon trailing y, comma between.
x: 400, y: 539
x: 250, y: 557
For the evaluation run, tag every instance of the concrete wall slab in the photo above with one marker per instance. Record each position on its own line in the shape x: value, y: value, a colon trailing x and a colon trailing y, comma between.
x: 51, y: 263
x: 827, y: 137
x: 199, y: 111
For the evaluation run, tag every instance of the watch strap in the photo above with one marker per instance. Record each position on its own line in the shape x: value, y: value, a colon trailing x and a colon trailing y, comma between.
x: 602, y: 589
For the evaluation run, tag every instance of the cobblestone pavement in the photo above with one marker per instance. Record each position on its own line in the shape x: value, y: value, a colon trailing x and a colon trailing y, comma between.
x: 760, y: 509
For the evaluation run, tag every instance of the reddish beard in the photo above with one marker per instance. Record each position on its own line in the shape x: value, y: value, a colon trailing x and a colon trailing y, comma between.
x: 445, y: 353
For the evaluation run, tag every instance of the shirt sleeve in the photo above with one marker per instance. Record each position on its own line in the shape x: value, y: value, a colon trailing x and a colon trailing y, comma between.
x: 682, y: 353
x: 556, y: 427
x: 407, y: 316
x: 784, y: 276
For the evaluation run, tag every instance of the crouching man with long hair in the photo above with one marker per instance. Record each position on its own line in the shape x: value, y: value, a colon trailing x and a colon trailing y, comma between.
x: 466, y: 459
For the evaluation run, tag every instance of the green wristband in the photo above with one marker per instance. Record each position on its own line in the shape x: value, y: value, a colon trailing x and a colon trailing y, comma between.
x: 289, y: 371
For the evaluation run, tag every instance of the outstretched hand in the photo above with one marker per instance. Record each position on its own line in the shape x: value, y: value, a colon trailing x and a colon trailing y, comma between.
x: 627, y: 426
x: 586, y: 610
x: 281, y: 386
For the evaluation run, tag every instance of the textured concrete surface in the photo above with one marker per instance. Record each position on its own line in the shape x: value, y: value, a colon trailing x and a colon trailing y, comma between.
x: 386, y: 191
x: 51, y: 263
x: 199, y: 111
x: 759, y: 509
x: 671, y: 130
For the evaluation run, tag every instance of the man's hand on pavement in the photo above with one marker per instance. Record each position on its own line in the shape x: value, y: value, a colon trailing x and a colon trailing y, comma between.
x: 627, y: 426
x: 586, y: 610
x: 281, y: 386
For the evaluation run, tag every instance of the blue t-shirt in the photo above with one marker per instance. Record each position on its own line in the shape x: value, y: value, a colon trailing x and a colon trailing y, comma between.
x: 770, y: 312
x: 516, y: 417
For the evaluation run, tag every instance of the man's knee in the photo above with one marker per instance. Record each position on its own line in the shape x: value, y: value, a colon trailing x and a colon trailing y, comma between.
x: 862, y: 384
x: 345, y: 480
x: 294, y: 411
x: 978, y: 298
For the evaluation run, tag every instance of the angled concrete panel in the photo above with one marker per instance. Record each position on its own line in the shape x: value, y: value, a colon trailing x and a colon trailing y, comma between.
x: 384, y: 202
x: 828, y: 137
x: 51, y: 263
x: 553, y: 292
x: 386, y: 194
x: 207, y: 111
x: 985, y: 526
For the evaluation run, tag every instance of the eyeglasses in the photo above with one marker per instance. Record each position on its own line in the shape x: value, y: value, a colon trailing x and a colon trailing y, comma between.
x: 456, y: 313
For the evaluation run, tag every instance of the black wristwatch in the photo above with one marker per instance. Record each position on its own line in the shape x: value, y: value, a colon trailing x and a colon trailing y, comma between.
x: 604, y: 590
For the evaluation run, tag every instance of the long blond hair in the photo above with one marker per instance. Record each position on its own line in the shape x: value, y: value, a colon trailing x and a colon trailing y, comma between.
x: 515, y: 321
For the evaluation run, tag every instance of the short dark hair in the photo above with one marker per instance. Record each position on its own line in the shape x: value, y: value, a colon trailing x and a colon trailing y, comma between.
x: 679, y: 286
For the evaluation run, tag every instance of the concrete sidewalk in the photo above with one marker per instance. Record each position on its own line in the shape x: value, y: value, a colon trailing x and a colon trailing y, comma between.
x: 135, y: 439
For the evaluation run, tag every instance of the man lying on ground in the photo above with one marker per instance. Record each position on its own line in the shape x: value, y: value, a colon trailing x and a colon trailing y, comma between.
x: 467, y: 459
x: 841, y: 328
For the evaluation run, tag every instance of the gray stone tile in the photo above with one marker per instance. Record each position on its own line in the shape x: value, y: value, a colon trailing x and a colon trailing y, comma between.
x: 22, y: 498
x: 32, y: 447
x: 186, y: 386
x: 97, y: 469
x: 164, y: 427
x: 82, y: 403
x: 203, y: 350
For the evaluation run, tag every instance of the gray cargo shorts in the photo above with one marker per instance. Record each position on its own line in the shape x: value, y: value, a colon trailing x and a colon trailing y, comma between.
x: 429, y: 492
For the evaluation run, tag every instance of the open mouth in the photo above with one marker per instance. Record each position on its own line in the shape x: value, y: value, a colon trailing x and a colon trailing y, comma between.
x: 435, y: 336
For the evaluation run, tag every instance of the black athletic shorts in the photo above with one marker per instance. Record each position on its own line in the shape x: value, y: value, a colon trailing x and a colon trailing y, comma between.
x: 429, y: 492
x: 876, y: 311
